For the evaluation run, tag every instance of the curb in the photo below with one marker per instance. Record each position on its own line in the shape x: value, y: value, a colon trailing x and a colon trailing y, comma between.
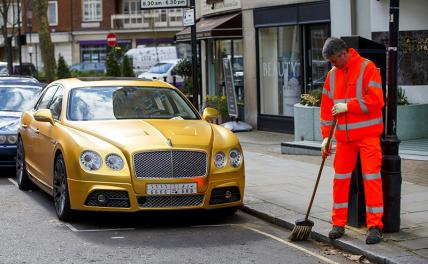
x: 352, y: 245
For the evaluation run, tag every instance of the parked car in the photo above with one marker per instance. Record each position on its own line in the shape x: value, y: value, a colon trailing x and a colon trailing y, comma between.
x: 17, y: 94
x: 125, y: 145
x: 87, y: 66
x: 28, y: 69
x: 3, y: 69
x: 163, y: 69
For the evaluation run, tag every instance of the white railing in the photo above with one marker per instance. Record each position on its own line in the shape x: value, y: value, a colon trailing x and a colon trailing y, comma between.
x: 146, y: 20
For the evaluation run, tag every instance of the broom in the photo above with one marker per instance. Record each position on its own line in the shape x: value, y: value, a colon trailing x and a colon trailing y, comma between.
x: 303, y: 227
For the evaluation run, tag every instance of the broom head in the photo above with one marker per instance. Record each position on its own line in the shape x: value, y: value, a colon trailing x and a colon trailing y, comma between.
x: 301, y: 230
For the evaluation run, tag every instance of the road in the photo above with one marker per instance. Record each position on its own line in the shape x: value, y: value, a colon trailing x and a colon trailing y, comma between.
x: 31, y: 233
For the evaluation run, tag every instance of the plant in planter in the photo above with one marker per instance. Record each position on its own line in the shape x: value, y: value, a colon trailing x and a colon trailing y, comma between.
x: 313, y: 98
x: 218, y: 102
x: 184, y: 69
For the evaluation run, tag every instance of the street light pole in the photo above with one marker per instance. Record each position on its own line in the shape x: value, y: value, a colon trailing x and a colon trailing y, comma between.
x: 194, y: 58
x: 19, y: 37
x: 391, y: 163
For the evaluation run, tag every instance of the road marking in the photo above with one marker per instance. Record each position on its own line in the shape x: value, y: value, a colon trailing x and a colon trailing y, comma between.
x: 117, y: 237
x: 74, y: 229
x: 13, y: 181
x: 291, y: 245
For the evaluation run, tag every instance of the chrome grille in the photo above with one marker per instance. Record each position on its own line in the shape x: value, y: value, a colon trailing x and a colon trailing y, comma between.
x: 170, y: 201
x: 170, y: 164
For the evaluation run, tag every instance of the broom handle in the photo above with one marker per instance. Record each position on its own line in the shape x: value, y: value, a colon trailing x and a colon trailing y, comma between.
x: 330, y: 135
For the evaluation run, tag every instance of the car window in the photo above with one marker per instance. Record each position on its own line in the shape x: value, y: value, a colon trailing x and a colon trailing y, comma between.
x: 129, y: 102
x: 46, y: 98
x: 160, y: 68
x: 17, y: 98
x: 56, y: 103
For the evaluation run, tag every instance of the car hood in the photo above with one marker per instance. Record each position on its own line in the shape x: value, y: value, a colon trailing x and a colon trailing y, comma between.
x: 9, y: 121
x: 140, y: 135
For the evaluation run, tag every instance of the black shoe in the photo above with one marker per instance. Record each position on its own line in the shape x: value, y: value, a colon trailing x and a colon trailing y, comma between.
x: 336, y: 232
x: 374, y: 235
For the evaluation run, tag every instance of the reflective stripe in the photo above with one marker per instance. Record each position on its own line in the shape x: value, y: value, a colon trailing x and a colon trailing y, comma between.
x: 374, y: 210
x: 360, y: 87
x: 325, y: 123
x: 341, y: 176
x: 324, y: 91
x: 332, y: 73
x: 340, y: 205
x: 362, y: 124
x: 375, y: 84
x: 371, y: 176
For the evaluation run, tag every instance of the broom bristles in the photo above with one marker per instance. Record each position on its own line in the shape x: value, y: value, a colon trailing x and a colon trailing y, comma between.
x: 300, y: 233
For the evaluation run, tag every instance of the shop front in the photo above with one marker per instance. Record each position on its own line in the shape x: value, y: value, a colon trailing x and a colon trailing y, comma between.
x: 289, y: 41
x: 219, y: 35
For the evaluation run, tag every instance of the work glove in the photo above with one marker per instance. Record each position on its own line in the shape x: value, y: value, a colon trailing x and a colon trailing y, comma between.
x: 339, y: 108
x: 325, y: 150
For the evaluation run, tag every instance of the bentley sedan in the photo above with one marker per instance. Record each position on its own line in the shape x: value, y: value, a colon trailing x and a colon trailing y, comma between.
x: 125, y: 145
x: 17, y: 94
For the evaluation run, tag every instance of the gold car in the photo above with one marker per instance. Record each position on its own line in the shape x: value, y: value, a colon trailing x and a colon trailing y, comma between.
x: 125, y: 145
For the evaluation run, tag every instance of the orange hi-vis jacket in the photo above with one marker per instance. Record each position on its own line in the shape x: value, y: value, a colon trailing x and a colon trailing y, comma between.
x: 360, y: 86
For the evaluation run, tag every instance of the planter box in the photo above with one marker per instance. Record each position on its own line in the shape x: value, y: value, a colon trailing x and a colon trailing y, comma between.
x: 411, y: 122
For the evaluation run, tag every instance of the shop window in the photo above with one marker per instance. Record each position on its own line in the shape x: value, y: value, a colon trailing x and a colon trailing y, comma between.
x: 93, y: 53
x: 92, y: 10
x: 280, y: 69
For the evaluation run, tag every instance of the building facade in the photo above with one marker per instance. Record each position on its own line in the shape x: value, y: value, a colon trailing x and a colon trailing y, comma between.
x: 79, y: 28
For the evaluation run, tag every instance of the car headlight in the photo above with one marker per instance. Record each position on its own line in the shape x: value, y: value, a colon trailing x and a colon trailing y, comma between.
x: 235, y: 157
x: 12, y: 139
x: 114, y: 162
x: 3, y: 139
x: 90, y: 160
x: 220, y: 160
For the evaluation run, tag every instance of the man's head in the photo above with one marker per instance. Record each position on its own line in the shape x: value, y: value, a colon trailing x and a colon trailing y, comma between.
x: 336, y: 52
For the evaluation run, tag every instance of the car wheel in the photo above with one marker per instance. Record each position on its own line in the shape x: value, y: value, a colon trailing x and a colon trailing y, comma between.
x: 22, y: 179
x: 60, y: 190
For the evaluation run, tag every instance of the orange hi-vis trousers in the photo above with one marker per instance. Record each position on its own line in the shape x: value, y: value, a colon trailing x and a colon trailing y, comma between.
x: 344, y: 163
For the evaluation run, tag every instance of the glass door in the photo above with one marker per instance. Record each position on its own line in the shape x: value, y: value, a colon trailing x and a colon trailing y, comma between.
x: 317, y: 68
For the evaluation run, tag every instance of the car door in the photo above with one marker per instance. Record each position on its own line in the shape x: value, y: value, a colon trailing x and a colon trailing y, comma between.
x: 37, y: 130
x: 46, y: 137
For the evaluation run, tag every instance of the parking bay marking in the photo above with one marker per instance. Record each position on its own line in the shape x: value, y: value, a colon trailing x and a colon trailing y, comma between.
x: 74, y: 229
x: 13, y: 181
x: 290, y: 244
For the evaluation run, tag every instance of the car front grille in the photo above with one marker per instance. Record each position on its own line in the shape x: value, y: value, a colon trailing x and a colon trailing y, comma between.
x: 170, y: 201
x: 170, y: 164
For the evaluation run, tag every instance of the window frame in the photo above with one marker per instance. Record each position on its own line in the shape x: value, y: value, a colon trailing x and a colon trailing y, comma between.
x: 56, y: 12
x: 92, y: 17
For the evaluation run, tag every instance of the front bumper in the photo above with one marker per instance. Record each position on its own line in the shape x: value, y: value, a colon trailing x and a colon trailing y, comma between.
x: 7, y: 156
x: 121, y: 197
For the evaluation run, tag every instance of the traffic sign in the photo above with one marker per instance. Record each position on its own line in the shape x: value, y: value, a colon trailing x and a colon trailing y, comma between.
x: 151, y: 4
x: 111, y: 39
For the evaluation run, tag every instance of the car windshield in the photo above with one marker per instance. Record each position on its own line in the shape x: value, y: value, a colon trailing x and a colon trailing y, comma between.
x: 127, y: 102
x: 160, y: 68
x: 17, y: 99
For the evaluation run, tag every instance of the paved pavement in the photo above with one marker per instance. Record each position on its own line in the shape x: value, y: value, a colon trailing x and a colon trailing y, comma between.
x: 278, y: 188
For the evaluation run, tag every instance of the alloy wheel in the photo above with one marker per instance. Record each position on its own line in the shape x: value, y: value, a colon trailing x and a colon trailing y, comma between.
x: 59, y: 186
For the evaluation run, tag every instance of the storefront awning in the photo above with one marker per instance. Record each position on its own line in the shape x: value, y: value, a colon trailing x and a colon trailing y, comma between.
x: 222, y: 26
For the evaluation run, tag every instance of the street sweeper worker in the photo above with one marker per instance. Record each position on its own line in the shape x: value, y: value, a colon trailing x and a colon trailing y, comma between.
x: 353, y: 93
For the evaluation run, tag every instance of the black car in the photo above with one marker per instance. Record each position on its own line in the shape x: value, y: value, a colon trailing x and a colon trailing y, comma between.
x: 17, y: 94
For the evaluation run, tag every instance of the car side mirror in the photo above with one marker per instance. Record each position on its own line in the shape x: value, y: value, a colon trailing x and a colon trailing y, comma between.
x: 210, y: 114
x: 44, y: 115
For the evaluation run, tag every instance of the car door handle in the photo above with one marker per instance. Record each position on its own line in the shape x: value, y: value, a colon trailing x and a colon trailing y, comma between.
x: 36, y: 130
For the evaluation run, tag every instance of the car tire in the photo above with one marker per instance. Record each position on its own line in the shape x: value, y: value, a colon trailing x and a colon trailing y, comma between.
x: 22, y: 179
x: 60, y: 191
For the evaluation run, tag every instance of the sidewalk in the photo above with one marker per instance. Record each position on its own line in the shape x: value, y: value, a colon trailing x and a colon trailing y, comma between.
x: 279, y: 186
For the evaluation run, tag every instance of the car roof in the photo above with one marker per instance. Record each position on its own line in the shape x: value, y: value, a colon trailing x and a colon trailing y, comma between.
x: 23, y: 80
x: 113, y: 81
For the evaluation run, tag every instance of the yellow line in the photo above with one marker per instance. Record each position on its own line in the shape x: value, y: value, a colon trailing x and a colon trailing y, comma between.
x: 291, y: 245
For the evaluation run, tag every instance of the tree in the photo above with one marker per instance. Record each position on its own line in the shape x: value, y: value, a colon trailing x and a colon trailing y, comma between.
x: 127, y: 69
x: 62, y: 71
x: 46, y: 47
x: 8, y: 7
x: 113, y: 67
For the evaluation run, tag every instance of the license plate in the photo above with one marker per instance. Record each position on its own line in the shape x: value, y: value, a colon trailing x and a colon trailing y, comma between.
x: 173, y: 188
